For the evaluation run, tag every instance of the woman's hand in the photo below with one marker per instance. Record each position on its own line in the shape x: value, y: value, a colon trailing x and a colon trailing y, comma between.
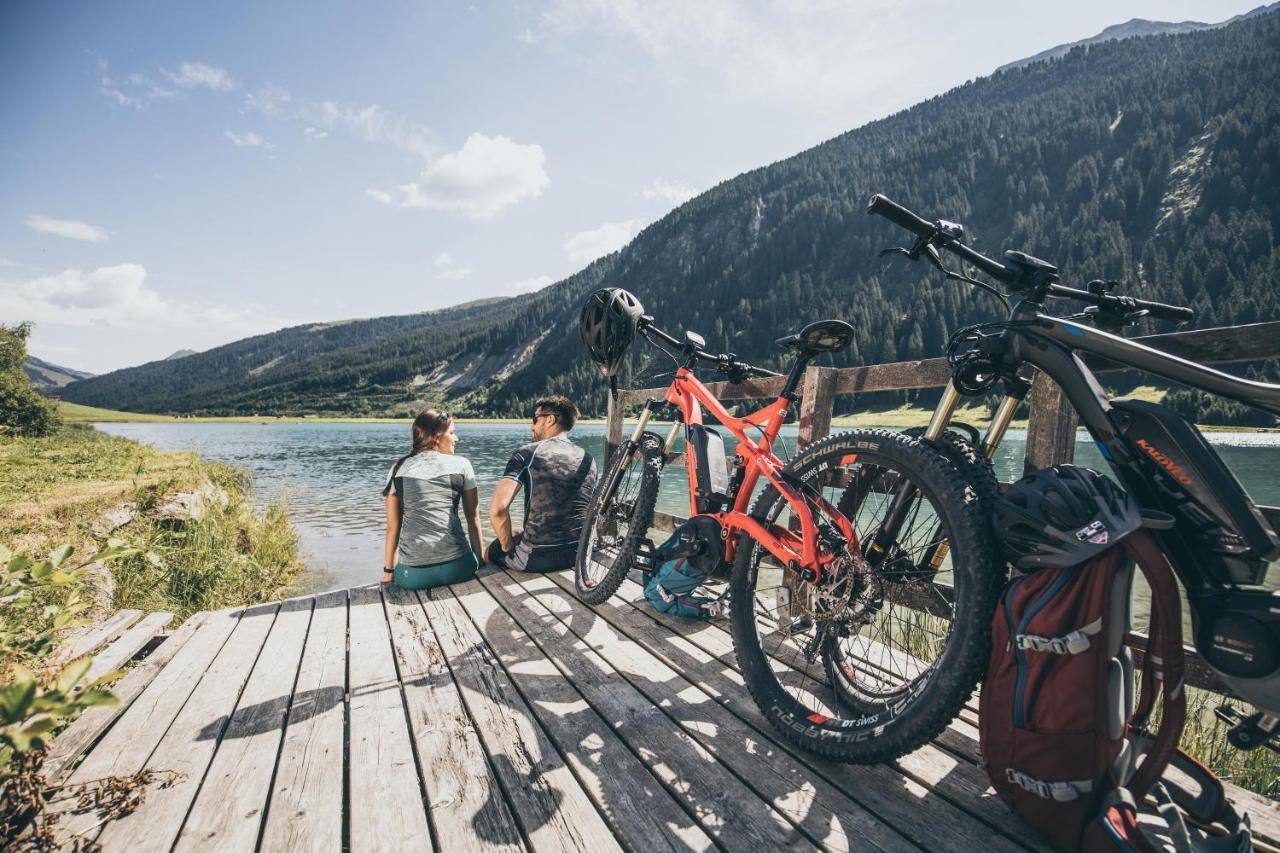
x: 387, y: 576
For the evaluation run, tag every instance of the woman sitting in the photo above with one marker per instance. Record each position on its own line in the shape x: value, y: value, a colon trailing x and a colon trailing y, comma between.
x: 425, y: 544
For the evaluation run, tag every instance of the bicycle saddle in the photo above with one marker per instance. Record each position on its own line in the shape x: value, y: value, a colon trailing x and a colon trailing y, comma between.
x: 822, y: 336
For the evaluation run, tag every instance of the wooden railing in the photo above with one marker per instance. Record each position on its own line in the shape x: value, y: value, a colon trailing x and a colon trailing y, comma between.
x: 1051, y: 422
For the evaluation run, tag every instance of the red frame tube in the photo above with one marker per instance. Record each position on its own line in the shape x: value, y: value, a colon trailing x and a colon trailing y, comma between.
x: 690, y: 395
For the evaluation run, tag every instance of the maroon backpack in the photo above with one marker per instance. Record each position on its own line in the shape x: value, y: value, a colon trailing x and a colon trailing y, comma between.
x: 1063, y: 743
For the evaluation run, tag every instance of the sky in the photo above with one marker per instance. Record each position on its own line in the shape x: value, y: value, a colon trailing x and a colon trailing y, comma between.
x: 182, y: 175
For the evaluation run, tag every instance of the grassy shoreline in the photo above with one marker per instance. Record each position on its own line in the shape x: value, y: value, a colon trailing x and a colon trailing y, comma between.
x: 56, y: 490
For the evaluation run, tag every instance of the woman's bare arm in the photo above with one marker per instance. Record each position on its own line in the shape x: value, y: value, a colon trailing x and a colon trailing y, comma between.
x: 471, y: 513
x: 393, y: 536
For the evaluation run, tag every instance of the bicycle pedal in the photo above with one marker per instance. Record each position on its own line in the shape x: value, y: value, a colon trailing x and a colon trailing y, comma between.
x: 1249, y: 732
x: 644, y: 556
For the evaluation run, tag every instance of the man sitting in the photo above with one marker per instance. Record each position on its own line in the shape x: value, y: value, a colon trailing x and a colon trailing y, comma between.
x: 558, y: 478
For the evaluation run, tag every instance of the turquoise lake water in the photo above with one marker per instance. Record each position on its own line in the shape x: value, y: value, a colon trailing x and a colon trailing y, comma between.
x: 334, y: 473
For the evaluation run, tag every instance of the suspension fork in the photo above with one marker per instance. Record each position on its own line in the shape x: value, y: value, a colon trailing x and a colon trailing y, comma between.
x: 905, y: 492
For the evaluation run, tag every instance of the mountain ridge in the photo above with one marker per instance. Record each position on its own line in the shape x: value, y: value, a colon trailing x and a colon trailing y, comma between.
x: 1135, y: 28
x: 48, y: 377
x: 1094, y: 160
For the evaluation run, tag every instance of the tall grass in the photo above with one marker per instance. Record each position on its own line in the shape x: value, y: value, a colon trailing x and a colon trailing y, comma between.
x: 54, y: 489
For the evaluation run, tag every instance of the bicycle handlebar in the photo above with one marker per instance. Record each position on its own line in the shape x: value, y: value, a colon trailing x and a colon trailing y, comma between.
x: 724, y: 362
x: 1160, y: 310
x: 933, y: 233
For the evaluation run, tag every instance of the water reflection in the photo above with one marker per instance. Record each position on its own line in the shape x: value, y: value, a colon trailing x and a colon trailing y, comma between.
x: 334, y: 473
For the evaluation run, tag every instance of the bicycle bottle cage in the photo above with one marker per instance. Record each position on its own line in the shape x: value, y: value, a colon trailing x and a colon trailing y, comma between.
x: 710, y: 467
x: 1206, y: 497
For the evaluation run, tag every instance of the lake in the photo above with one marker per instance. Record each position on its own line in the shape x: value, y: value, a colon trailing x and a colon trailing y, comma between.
x: 334, y: 473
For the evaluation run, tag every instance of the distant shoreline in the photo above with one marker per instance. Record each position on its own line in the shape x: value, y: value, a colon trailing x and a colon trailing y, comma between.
x: 899, y: 418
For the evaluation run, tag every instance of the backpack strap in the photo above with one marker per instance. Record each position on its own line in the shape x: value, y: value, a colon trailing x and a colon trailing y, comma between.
x: 1163, y: 660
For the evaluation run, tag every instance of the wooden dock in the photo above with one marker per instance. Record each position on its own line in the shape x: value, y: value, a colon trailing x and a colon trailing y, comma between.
x: 498, y: 714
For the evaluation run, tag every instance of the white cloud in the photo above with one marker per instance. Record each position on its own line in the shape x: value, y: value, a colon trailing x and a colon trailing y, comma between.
x: 374, y: 124
x: 116, y: 297
x: 529, y: 285
x: 135, y: 90
x: 585, y: 246
x: 449, y: 269
x: 270, y: 100
x: 314, y: 134
x: 813, y: 53
x: 197, y: 75
x: 248, y: 139
x: 69, y: 228
x: 485, y: 176
x: 138, y: 90
x: 672, y: 192
x: 380, y: 195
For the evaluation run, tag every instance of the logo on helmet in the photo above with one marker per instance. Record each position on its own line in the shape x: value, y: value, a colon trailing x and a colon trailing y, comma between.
x: 1095, y: 533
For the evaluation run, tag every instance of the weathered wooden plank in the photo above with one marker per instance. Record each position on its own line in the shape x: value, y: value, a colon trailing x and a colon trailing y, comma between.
x: 98, y: 635
x: 387, y: 810
x: 817, y: 394
x: 612, y: 428
x: 228, y: 810
x: 306, y: 810
x: 467, y: 805
x: 704, y: 654
x: 77, y: 736
x: 1051, y: 426
x: 766, y: 387
x: 770, y: 776
x: 1221, y: 345
x: 125, y: 748
x: 617, y: 781
x: 124, y: 648
x: 552, y: 808
x: 189, y: 744
x: 895, y: 376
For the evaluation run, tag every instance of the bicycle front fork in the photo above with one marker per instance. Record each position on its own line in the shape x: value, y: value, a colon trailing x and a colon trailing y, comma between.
x: 905, y: 492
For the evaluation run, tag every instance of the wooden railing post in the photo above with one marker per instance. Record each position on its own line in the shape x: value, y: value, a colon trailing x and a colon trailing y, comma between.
x: 1051, y: 426
x: 817, y: 394
x: 612, y: 427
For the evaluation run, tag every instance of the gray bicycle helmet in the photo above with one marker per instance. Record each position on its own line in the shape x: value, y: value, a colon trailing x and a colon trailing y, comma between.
x: 608, y: 326
x: 1063, y: 516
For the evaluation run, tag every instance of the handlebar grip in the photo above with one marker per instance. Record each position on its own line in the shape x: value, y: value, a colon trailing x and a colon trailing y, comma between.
x: 898, y: 215
x: 1161, y: 311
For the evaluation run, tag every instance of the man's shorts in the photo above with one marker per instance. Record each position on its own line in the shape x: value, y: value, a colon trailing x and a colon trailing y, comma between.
x: 532, y: 558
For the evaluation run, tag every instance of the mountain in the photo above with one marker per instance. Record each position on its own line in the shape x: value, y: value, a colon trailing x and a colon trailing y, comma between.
x: 1134, y: 28
x: 1153, y: 161
x: 48, y: 377
x: 182, y: 353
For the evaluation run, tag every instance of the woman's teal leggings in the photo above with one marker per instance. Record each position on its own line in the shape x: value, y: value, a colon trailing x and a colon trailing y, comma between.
x: 456, y: 570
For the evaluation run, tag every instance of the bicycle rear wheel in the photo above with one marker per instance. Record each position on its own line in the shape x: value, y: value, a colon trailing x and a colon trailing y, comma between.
x: 876, y: 659
x: 618, y: 518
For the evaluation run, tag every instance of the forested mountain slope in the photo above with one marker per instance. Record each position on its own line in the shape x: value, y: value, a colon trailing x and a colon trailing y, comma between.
x: 1154, y: 160
x: 48, y: 377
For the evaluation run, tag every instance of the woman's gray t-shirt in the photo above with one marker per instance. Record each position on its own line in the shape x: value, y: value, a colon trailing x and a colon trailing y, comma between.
x: 430, y: 485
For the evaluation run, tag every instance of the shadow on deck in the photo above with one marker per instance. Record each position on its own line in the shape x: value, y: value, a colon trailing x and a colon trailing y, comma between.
x: 502, y: 714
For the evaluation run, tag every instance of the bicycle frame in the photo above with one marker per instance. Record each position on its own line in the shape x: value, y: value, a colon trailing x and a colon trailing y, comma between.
x: 796, y: 551
x: 1053, y: 345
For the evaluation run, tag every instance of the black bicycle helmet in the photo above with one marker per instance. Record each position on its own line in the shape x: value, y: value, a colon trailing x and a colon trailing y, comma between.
x: 608, y: 326
x: 1063, y: 516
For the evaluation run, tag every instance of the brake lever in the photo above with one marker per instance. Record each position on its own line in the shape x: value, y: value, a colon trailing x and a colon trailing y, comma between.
x: 895, y: 250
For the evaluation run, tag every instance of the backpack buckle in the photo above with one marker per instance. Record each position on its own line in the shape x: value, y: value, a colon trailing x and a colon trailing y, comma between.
x: 1059, y: 792
x: 1072, y: 644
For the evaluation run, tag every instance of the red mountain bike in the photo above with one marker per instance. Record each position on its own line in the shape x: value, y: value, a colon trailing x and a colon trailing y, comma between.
x: 834, y: 665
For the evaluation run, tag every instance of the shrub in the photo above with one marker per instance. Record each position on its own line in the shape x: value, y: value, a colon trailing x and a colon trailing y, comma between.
x: 22, y: 410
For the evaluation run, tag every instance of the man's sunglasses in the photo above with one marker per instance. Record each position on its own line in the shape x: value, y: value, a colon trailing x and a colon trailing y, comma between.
x: 537, y: 415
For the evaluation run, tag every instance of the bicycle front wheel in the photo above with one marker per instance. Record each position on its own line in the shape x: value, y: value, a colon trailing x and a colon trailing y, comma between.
x: 876, y: 658
x: 618, y: 518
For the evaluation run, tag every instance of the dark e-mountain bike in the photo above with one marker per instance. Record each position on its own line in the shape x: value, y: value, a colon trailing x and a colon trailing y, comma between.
x: 853, y: 659
x: 1214, y: 536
